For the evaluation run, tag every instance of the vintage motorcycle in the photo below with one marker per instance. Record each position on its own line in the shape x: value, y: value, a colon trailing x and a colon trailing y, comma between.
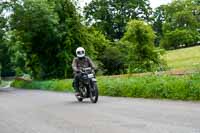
x: 88, y: 85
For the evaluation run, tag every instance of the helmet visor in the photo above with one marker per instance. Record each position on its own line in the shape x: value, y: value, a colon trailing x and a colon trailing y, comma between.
x: 80, y: 52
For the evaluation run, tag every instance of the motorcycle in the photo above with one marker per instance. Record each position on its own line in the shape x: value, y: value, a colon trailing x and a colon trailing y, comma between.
x: 88, y: 85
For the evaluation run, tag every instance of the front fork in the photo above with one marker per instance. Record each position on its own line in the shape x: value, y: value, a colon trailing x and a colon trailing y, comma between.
x: 92, y: 85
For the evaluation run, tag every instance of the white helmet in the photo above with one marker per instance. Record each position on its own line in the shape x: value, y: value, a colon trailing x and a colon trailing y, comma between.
x: 80, y: 52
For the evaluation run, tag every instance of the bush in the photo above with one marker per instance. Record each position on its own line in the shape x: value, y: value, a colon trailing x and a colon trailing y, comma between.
x: 113, y: 61
x: 179, y: 38
x: 53, y: 85
x: 169, y: 87
x: 142, y: 55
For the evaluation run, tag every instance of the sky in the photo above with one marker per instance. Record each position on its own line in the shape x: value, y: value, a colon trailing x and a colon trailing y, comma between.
x: 154, y: 3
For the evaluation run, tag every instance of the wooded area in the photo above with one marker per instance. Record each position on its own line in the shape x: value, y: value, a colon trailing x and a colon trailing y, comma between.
x: 39, y: 37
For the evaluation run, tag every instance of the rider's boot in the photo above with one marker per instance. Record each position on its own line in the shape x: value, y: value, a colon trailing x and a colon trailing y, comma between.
x: 77, y: 93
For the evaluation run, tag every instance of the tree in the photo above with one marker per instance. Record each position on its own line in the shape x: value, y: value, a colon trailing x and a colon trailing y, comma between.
x: 49, y: 32
x: 179, y: 38
x: 158, y: 20
x: 18, y: 56
x: 69, y: 35
x: 77, y: 34
x: 34, y: 22
x: 181, y: 17
x: 111, y: 16
x: 45, y: 34
x: 142, y: 56
x: 5, y: 61
x: 113, y: 61
x: 95, y: 42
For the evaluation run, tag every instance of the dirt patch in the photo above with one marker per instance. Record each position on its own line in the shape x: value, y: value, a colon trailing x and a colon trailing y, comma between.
x: 177, y: 72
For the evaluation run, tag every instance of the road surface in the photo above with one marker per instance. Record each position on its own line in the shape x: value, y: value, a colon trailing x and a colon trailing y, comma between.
x: 33, y: 111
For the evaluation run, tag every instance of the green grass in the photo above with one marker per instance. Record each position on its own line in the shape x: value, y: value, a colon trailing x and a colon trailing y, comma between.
x: 52, y: 85
x: 186, y: 59
x: 167, y: 87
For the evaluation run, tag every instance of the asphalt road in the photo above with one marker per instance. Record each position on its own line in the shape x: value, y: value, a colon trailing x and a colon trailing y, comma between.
x: 33, y: 111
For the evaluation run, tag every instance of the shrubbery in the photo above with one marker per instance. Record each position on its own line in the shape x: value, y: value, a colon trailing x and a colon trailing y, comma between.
x: 113, y: 61
x: 179, y: 38
x: 139, y: 43
x: 180, y: 24
x: 53, y: 85
x: 168, y: 87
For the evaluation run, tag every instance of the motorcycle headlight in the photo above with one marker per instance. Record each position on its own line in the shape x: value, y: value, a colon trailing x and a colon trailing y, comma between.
x: 90, y: 75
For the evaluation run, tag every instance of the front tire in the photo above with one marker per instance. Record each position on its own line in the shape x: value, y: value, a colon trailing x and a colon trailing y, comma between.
x: 94, y: 93
x: 79, y: 99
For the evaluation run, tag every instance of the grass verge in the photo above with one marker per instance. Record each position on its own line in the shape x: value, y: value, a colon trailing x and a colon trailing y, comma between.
x: 185, y: 59
x: 185, y: 87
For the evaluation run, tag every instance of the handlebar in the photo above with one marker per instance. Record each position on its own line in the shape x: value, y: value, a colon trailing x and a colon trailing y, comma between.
x: 85, y: 70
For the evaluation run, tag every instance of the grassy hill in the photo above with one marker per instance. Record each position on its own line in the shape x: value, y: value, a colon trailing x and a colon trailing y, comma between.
x: 184, y: 59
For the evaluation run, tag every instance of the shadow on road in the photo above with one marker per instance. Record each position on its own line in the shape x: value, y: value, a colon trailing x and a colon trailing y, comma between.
x: 78, y: 103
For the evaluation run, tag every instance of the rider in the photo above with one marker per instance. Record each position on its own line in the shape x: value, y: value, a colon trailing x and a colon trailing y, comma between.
x: 81, y: 61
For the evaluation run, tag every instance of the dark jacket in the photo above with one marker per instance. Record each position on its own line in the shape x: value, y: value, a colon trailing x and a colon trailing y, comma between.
x: 82, y: 63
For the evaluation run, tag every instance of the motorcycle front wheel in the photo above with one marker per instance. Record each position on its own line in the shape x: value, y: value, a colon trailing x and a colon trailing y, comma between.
x: 94, y: 94
x: 79, y: 98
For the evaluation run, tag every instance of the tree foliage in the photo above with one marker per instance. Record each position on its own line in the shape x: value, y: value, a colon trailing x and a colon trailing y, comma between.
x: 142, y: 56
x: 44, y: 36
x: 180, y: 17
x: 5, y: 61
x: 35, y: 23
x: 39, y: 37
x: 113, y: 61
x: 111, y: 16
x: 158, y: 20
x: 179, y: 38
